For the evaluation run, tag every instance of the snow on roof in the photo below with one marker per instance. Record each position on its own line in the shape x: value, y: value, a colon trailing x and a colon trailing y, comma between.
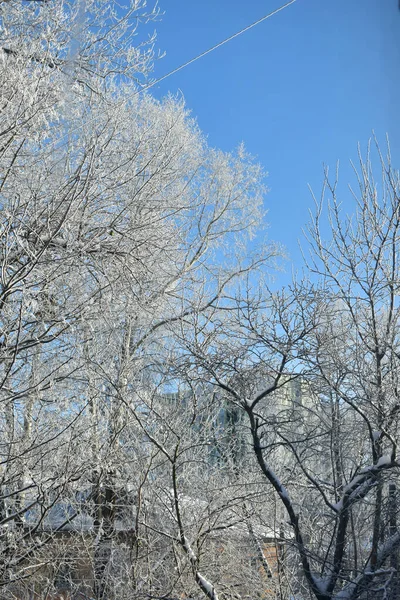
x: 73, y: 516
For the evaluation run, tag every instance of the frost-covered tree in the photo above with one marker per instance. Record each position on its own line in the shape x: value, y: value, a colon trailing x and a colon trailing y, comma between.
x: 151, y: 383
x: 119, y: 223
x: 330, y: 452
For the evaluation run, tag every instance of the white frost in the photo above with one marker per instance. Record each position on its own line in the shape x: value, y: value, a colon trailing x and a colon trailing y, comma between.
x: 189, y: 550
x: 376, y: 435
x: 207, y: 586
x: 384, y: 460
x: 338, y: 506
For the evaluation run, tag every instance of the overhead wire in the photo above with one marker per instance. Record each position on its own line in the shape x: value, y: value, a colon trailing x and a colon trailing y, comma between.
x: 218, y: 45
x: 194, y: 59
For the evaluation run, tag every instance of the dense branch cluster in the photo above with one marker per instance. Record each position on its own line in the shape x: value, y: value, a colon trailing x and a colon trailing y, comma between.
x: 172, y: 424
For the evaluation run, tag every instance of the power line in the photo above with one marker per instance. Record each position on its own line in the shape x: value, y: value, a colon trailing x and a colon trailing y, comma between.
x: 228, y: 39
x: 192, y: 60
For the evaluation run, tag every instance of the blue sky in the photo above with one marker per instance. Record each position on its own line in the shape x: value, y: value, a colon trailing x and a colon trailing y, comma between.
x: 301, y: 89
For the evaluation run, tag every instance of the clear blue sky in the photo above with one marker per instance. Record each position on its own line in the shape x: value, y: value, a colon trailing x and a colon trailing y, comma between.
x: 300, y: 89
